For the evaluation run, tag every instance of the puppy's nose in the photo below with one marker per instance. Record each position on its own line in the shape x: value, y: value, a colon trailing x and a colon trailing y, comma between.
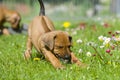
x: 67, y: 57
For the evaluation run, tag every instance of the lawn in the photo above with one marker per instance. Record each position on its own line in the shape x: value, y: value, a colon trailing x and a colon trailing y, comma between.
x: 95, y: 42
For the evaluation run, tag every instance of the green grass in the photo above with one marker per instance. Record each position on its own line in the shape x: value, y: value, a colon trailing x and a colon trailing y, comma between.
x: 14, y: 67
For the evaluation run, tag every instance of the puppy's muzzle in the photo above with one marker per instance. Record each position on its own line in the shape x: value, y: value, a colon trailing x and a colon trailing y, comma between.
x: 67, y: 58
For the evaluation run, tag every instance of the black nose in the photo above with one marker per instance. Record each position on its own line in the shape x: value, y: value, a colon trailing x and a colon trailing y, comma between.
x: 67, y: 57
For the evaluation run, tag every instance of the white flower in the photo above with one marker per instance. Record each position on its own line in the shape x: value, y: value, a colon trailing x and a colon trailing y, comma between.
x: 67, y: 29
x: 74, y: 32
x: 88, y: 54
x: 80, y: 51
x: 118, y: 32
x: 104, y: 38
x: 106, y: 41
x: 102, y: 46
x: 116, y: 38
x: 79, y: 41
x: 91, y: 44
x: 99, y: 18
x: 101, y: 38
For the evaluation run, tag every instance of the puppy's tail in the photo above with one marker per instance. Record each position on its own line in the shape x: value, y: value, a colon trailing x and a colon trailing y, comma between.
x: 42, y: 8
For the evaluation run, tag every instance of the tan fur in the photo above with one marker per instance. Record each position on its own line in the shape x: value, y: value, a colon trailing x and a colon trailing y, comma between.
x: 52, y: 44
x: 9, y: 16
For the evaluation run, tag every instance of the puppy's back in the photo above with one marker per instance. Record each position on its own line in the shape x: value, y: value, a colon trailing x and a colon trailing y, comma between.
x: 40, y: 25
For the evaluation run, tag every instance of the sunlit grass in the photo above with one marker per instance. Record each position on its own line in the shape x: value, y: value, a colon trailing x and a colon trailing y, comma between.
x: 14, y: 67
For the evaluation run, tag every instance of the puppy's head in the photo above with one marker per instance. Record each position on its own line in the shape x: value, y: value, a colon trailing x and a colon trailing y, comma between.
x: 59, y: 44
x: 14, y: 18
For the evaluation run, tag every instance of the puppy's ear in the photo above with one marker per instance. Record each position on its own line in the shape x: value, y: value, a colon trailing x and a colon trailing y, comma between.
x: 70, y: 39
x: 48, y: 41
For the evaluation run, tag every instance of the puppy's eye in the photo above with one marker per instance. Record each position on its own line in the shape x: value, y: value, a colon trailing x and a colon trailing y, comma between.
x: 69, y: 46
x: 60, y: 47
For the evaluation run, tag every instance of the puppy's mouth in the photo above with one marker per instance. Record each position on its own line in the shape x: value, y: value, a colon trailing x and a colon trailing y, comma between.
x: 65, y: 59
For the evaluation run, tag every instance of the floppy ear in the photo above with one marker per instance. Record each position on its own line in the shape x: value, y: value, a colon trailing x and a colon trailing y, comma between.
x: 70, y: 39
x: 48, y: 41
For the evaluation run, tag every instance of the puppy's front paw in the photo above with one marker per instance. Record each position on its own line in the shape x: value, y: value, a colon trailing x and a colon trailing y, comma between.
x: 27, y: 54
x: 81, y: 64
x: 78, y: 63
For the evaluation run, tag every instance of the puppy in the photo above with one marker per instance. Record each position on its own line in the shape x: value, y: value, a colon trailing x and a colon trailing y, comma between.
x: 11, y: 17
x: 54, y: 45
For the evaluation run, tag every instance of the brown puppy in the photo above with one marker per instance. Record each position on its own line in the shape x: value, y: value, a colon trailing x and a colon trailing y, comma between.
x: 10, y: 16
x: 54, y: 45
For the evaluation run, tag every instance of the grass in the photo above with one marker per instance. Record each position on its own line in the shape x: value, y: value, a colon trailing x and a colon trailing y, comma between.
x: 14, y: 67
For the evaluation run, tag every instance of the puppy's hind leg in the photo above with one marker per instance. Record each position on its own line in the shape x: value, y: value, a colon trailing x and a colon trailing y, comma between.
x: 28, y: 51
